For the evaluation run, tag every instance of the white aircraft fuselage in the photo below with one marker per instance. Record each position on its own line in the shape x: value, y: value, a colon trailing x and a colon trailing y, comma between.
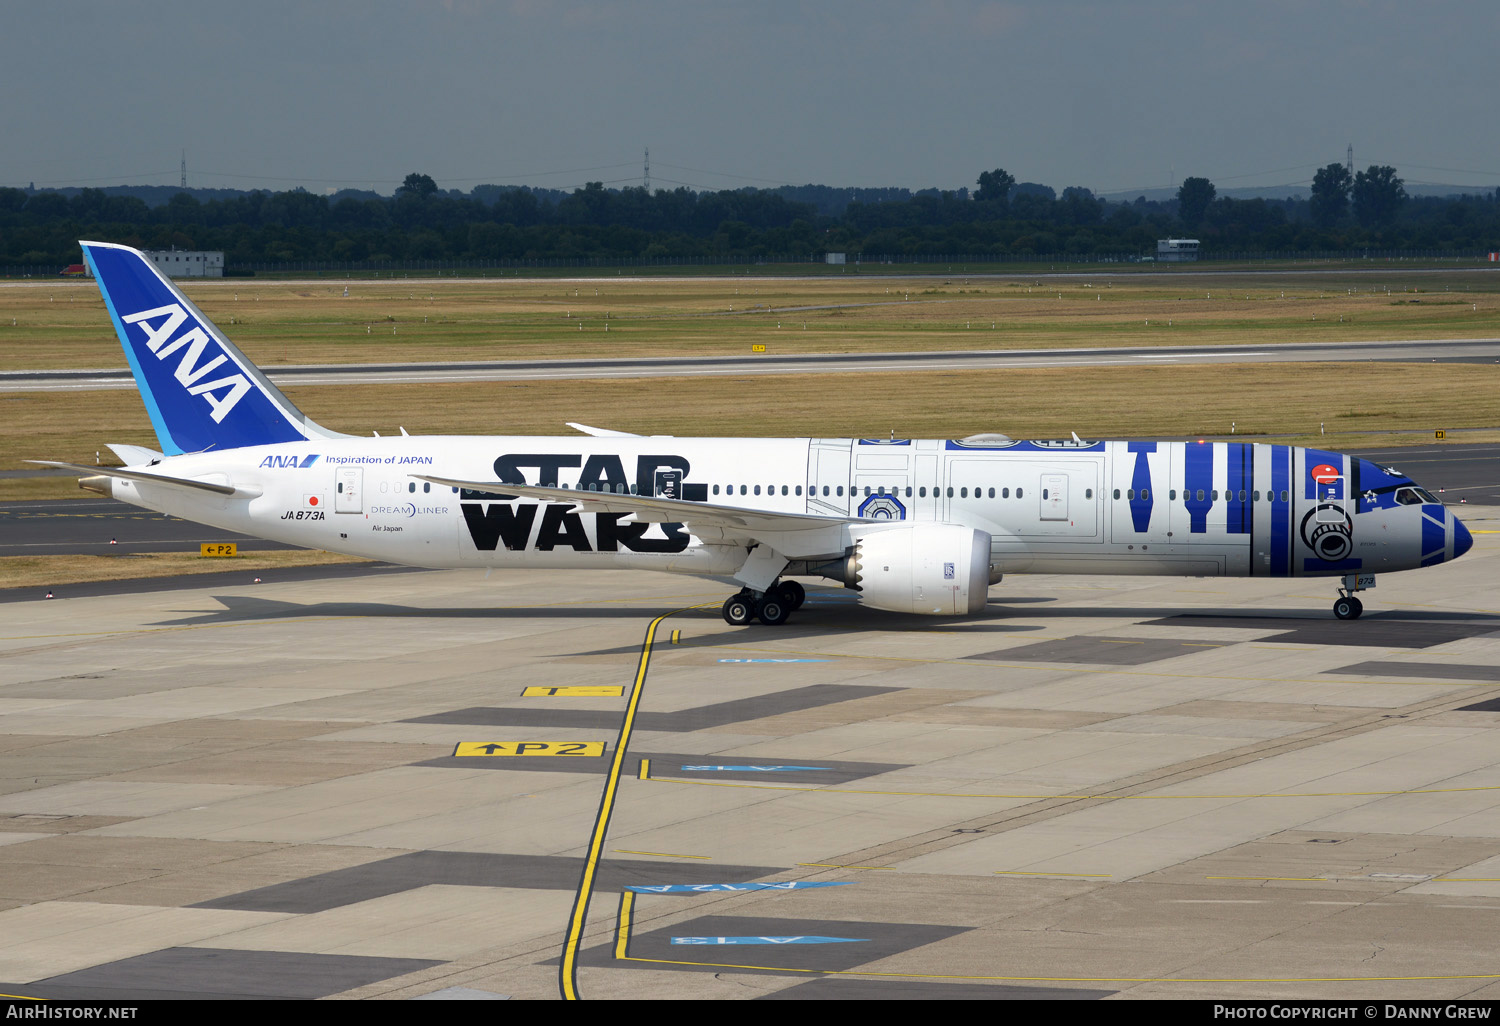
x: 1048, y: 507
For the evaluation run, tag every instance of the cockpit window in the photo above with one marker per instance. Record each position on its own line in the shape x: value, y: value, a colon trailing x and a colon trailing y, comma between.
x: 1414, y: 496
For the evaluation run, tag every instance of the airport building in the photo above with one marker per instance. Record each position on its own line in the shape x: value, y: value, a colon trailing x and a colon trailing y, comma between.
x: 1173, y: 251
x: 177, y: 263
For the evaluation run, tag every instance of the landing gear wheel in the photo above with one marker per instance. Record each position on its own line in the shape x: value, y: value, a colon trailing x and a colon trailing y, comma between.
x: 1359, y: 607
x: 773, y: 611
x: 1347, y: 608
x: 739, y: 610
x: 792, y: 594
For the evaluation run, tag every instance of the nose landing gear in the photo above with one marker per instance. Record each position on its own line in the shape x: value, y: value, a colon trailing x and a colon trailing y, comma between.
x: 771, y: 607
x: 1348, y: 607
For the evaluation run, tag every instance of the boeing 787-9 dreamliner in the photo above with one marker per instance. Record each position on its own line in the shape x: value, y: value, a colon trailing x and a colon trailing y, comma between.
x: 914, y: 526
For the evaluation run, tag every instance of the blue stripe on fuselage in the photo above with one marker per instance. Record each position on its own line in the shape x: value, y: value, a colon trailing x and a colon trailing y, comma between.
x: 1434, y: 534
x: 1281, y: 509
x: 1140, y: 484
x: 1239, y: 472
x: 1198, y: 478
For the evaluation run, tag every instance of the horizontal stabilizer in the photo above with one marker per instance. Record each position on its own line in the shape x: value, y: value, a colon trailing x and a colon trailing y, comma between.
x: 601, y: 432
x: 138, y: 475
x: 134, y: 455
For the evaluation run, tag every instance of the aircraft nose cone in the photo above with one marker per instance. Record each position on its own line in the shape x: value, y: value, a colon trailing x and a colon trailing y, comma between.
x: 1463, y: 541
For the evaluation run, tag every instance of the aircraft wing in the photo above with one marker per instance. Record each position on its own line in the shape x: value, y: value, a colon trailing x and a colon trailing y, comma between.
x: 138, y: 475
x: 732, y: 520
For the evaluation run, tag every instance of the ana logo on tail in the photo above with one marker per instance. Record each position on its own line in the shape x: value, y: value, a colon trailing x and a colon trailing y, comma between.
x: 221, y: 394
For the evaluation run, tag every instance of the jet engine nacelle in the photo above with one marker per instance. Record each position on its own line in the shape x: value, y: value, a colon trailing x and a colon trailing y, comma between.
x: 936, y: 569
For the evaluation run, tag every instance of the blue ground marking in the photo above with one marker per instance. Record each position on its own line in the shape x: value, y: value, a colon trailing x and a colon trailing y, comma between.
x: 751, y: 769
x: 770, y: 940
x: 773, y: 660
x: 787, y: 885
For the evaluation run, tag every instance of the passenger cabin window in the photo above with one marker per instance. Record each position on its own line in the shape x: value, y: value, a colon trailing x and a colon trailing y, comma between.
x: 1088, y: 493
x: 1018, y: 493
x: 1117, y: 493
x: 1005, y: 493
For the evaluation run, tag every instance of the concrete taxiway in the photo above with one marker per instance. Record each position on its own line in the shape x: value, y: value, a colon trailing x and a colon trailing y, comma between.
x: 1477, y: 350
x: 1102, y: 787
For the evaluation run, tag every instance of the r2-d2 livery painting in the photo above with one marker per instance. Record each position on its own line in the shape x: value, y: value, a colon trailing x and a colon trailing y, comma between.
x: 912, y: 526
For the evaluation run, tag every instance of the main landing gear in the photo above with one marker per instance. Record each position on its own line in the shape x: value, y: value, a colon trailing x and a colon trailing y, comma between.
x: 770, y: 607
x: 1348, y: 606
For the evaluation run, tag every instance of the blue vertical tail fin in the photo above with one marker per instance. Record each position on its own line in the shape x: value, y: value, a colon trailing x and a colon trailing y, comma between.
x: 201, y: 392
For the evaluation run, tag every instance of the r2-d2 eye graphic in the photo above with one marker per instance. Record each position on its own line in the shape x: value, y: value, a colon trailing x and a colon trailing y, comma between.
x: 882, y: 507
x: 1329, y: 532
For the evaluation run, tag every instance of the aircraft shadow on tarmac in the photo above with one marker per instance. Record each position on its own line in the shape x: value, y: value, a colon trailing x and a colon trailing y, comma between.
x: 836, y: 619
x: 831, y: 614
x: 244, y: 608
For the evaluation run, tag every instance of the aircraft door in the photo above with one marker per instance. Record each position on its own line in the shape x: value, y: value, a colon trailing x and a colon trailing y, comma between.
x: 1331, y: 498
x: 828, y: 476
x: 349, y: 490
x: 926, y: 504
x: 1054, y: 496
x: 668, y: 484
x: 882, y: 482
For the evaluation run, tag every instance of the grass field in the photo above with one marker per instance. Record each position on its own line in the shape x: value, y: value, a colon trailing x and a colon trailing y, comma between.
x: 51, y: 571
x: 306, y: 322
x: 66, y: 325
x: 1356, y: 404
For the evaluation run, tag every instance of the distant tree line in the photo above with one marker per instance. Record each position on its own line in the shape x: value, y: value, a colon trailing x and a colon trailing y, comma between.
x: 1002, y: 218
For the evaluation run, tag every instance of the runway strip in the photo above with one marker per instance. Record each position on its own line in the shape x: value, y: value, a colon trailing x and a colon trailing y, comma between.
x: 1480, y: 350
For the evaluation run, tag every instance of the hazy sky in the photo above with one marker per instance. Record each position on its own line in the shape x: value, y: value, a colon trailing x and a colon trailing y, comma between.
x: 1110, y: 95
